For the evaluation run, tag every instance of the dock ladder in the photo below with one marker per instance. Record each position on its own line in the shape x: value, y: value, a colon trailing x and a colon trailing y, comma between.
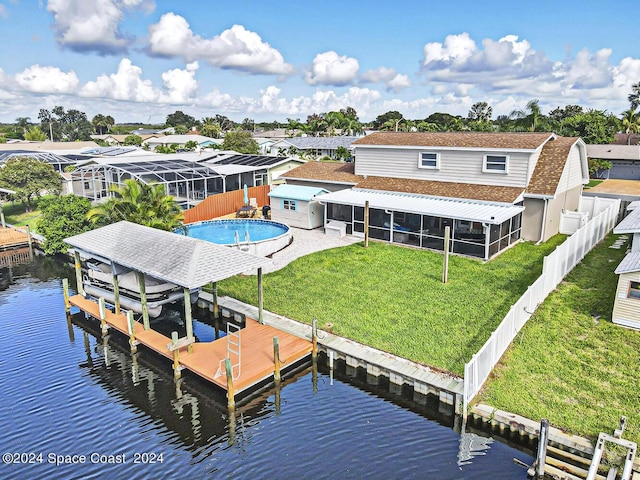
x: 233, y: 350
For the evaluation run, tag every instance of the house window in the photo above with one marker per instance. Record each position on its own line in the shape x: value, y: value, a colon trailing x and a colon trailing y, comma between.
x: 429, y: 160
x: 634, y: 290
x: 495, y: 163
x: 289, y: 205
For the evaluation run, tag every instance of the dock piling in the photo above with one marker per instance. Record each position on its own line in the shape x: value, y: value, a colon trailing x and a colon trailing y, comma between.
x: 314, y: 339
x: 103, y: 316
x: 231, y: 400
x: 143, y: 300
x: 541, y: 457
x: 188, y: 316
x: 78, y: 266
x: 132, y: 334
x: 65, y: 290
x: 276, y: 360
x: 176, y: 360
x: 215, y: 300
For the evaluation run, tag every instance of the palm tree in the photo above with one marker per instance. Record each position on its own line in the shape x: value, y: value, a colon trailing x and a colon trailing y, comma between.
x: 631, y: 123
x: 137, y: 202
x: 530, y: 117
x: 634, y: 96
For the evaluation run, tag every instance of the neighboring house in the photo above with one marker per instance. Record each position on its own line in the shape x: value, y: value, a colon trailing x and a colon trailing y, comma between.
x: 626, y: 306
x: 264, y: 144
x: 118, y: 139
x: 181, y: 140
x: 625, y: 160
x: 278, y: 133
x: 491, y: 189
x: 312, y: 147
x: 297, y: 206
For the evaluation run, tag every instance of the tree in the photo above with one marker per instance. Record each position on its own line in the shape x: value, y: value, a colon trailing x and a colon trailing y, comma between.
x: 69, y: 125
x: 530, y: 117
x: 342, y: 153
x: 559, y: 114
x: 597, y: 167
x: 630, y: 123
x: 133, y: 140
x: 35, y: 134
x: 191, y: 145
x: 225, y: 123
x: 316, y: 124
x: 23, y: 123
x: 29, y: 178
x: 180, y: 118
x: 137, y: 202
x: 241, y: 142
x: 210, y: 128
x: 385, y: 117
x: 180, y: 129
x: 481, y: 112
x: 62, y: 217
x: 594, y: 126
x: 248, y: 124
x: 634, y: 96
x: 102, y: 123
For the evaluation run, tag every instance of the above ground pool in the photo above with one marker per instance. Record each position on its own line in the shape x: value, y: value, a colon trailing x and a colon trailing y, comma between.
x: 260, y: 237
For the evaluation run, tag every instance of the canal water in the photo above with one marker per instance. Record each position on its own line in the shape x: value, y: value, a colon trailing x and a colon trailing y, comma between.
x: 77, y: 406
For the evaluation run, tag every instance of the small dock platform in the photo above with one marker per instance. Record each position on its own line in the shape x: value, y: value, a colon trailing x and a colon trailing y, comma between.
x: 13, y: 237
x: 206, y: 359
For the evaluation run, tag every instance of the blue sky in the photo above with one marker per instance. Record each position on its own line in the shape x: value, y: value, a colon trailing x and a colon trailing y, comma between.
x: 139, y: 60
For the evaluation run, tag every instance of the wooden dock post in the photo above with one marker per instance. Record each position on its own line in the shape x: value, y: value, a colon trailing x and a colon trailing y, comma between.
x: 541, y: 457
x: 366, y: 223
x: 314, y: 374
x: 314, y: 339
x: 78, y: 266
x: 143, y: 299
x: 4, y: 224
x: 103, y: 316
x: 276, y: 360
x: 116, y: 289
x: 72, y: 337
x: 188, y: 317
x: 132, y: 333
x: 445, y: 269
x: 65, y: 292
x: 231, y: 400
x: 176, y: 360
x: 29, y: 239
x: 216, y: 309
x: 260, y: 299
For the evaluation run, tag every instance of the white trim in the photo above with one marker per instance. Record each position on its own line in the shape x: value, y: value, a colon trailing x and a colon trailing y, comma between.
x: 428, y: 167
x: 488, y: 170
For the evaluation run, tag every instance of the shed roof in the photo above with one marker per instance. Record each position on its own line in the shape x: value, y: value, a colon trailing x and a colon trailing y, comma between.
x: 630, y: 263
x: 420, y: 204
x: 506, y: 141
x: 630, y: 223
x: 297, y: 192
x: 174, y: 258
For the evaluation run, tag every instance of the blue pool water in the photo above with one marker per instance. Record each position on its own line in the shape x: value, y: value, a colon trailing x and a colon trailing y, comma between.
x: 223, y: 232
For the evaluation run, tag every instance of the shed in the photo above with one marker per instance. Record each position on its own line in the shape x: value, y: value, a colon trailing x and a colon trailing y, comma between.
x: 626, y: 306
x: 297, y: 206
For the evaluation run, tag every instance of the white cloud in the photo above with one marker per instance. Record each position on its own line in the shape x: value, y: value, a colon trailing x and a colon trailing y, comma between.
x: 235, y: 48
x: 181, y: 85
x: 456, y: 49
x: 125, y: 84
x: 94, y: 26
x: 329, y: 68
x: 39, y: 79
x: 3, y: 11
x: 392, y: 80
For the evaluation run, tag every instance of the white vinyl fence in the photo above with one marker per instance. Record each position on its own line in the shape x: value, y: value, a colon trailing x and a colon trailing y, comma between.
x: 556, y: 265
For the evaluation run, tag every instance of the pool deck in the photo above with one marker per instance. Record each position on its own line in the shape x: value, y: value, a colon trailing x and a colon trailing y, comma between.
x: 306, y: 242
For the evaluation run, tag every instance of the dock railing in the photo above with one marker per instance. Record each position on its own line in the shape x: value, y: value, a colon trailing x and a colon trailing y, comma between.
x: 555, y: 267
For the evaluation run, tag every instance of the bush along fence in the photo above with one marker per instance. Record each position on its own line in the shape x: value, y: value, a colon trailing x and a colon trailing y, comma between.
x: 555, y: 267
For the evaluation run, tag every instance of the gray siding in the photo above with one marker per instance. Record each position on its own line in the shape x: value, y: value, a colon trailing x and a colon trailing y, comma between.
x: 463, y: 166
x: 572, y: 174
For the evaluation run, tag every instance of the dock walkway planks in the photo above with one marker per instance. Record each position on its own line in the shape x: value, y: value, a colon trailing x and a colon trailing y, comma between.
x: 12, y: 237
x: 256, y: 348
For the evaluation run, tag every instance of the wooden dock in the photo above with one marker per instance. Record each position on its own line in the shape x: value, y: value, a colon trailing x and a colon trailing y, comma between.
x: 206, y: 359
x: 12, y: 237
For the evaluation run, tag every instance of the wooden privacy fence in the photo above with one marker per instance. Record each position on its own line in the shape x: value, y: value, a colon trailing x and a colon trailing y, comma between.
x: 555, y: 267
x: 222, y: 204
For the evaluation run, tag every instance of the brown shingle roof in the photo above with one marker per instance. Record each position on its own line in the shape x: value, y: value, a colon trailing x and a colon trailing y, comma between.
x: 550, y: 165
x: 527, y: 141
x: 325, y: 171
x: 470, y: 191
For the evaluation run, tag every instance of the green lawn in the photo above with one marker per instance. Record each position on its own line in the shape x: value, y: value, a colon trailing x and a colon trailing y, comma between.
x: 572, y: 365
x: 392, y: 298
x: 14, y: 214
x: 593, y: 183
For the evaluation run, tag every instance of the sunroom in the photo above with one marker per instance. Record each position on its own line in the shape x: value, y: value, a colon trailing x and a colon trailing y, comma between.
x: 477, y: 229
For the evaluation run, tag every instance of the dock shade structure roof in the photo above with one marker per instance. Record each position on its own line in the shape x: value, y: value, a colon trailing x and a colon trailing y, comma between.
x: 490, y: 213
x: 174, y: 258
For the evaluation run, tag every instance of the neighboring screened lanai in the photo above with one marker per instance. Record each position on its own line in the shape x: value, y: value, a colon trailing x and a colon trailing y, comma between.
x: 188, y: 182
x: 58, y: 162
x: 244, y: 169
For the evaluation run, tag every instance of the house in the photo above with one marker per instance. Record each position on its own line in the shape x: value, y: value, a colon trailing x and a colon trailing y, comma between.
x: 181, y: 140
x: 491, y: 189
x: 626, y: 306
x: 312, y: 147
x: 625, y: 160
x: 297, y: 206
